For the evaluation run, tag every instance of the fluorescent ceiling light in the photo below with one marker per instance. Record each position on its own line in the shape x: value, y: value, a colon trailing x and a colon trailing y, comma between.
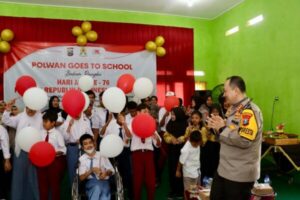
x: 255, y: 20
x: 232, y: 31
x: 195, y: 73
x: 190, y: 3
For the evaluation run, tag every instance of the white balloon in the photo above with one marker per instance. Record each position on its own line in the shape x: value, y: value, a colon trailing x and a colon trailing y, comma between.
x: 85, y: 83
x: 142, y: 87
x: 114, y: 99
x: 136, y: 100
x: 111, y: 146
x: 35, y: 98
x: 27, y: 137
x: 87, y: 101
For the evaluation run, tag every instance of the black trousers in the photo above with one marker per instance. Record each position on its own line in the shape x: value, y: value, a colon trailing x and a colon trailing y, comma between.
x: 176, y: 184
x: 224, y: 189
x: 125, y: 169
x: 5, y: 179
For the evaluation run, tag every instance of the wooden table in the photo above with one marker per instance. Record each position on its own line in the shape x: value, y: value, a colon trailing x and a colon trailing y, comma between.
x: 289, y: 149
x: 286, y: 147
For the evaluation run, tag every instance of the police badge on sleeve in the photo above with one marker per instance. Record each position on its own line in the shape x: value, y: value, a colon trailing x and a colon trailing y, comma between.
x: 248, y: 125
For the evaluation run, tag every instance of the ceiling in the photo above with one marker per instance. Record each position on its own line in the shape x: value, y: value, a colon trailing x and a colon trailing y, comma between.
x: 206, y: 9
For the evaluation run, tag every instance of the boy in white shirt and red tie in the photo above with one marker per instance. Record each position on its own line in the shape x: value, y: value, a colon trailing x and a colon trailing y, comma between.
x: 49, y: 177
x: 143, y: 161
x: 95, y: 169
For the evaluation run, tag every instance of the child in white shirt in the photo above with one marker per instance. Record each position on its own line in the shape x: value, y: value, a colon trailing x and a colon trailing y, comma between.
x: 73, y: 129
x: 50, y: 176
x: 95, y: 169
x: 189, y: 161
x: 24, y: 176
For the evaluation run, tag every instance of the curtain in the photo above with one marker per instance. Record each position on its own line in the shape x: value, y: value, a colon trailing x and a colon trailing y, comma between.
x: 171, y: 69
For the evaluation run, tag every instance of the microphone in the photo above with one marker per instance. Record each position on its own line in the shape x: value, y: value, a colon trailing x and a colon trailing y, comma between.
x: 276, y: 98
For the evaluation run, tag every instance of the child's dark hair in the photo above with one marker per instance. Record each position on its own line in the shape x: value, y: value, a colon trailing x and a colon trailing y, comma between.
x: 143, y: 106
x: 213, y: 107
x: 195, y: 136
x: 154, y: 97
x: 91, y: 92
x: 85, y: 137
x: 101, y: 94
x: 131, y: 105
x: 180, y: 102
x: 196, y: 112
x: 50, y: 115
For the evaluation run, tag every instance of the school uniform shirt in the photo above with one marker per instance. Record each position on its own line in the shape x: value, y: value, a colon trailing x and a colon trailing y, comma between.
x: 98, y: 161
x: 56, y: 139
x: 128, y: 119
x: 189, y: 158
x: 114, y: 128
x: 21, y: 121
x: 99, y: 115
x: 79, y: 127
x: 161, y: 114
x: 59, y: 117
x: 4, y: 142
x: 137, y: 144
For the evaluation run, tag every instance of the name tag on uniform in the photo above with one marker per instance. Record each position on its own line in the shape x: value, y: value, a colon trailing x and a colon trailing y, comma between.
x: 248, y: 125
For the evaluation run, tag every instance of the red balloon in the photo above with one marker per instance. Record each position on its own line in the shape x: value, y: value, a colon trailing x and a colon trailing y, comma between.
x: 125, y: 83
x: 42, y: 154
x: 73, y: 102
x: 171, y: 102
x: 23, y: 83
x: 143, y: 125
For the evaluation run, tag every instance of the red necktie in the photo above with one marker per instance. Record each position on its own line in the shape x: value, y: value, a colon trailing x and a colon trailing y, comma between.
x: 47, y: 137
x: 143, y: 140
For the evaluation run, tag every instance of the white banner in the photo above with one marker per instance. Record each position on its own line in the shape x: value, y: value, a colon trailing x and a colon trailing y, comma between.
x: 57, y: 69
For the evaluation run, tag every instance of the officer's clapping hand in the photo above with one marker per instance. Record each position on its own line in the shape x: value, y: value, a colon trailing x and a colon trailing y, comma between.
x: 215, y: 122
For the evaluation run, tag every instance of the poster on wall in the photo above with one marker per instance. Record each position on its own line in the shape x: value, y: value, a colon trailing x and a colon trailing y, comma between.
x: 58, y: 67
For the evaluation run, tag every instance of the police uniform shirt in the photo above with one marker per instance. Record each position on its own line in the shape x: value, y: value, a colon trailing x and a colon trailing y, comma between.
x: 241, y: 143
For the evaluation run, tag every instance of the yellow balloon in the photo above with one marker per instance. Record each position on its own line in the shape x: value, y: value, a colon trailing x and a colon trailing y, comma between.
x: 160, y: 51
x: 7, y: 35
x: 81, y: 40
x: 159, y: 41
x: 76, y: 31
x: 86, y: 26
x: 150, y: 46
x: 4, y: 47
x: 92, y: 36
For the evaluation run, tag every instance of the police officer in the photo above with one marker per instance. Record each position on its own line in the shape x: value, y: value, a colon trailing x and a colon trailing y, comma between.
x: 240, y: 137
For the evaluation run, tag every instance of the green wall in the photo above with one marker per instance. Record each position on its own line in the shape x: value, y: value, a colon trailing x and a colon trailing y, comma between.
x: 202, y: 34
x: 266, y: 55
